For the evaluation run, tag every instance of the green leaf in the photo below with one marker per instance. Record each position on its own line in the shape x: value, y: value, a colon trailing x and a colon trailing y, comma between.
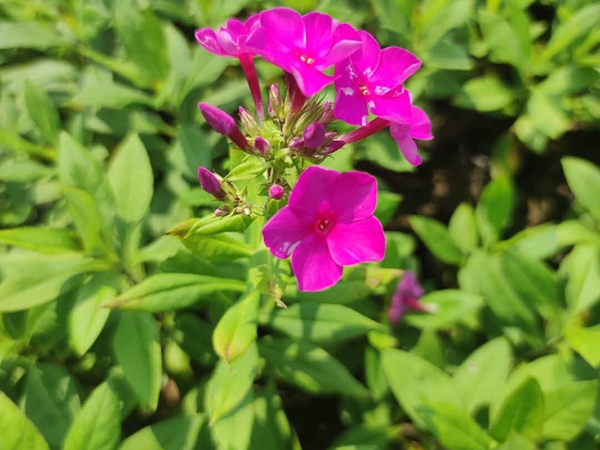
x: 40, y: 239
x: 236, y: 330
x: 131, y: 179
x: 88, y: 316
x: 173, y: 291
x: 448, y: 307
x: 565, y: 34
x: 20, y: 35
x: 320, y: 323
x: 43, y: 112
x: 463, y: 228
x: 454, y: 429
x: 522, y: 410
x: 569, y: 80
x: 585, y: 342
x: 548, y: 115
x: 33, y: 279
x: 504, y: 41
x: 494, y: 210
x: 423, y: 385
x: 483, y: 374
x: 533, y: 281
x: 137, y: 348
x: 230, y: 383
x: 176, y: 433
x: 517, y: 442
x: 309, y: 367
x: 234, y: 430
x: 268, y: 274
x: 271, y: 429
x: 437, y: 239
x: 194, y: 336
x: 98, y: 425
x: 23, y: 434
x: 51, y: 401
x: 448, y: 55
x: 485, y: 93
x: 583, y: 178
x: 143, y: 37
x: 583, y: 281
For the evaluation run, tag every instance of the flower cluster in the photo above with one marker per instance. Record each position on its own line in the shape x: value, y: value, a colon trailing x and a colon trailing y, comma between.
x: 328, y: 220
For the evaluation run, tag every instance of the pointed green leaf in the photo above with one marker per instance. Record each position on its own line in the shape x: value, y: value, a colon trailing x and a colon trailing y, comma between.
x: 23, y: 434
x: 40, y: 239
x: 234, y: 430
x: 176, y: 433
x: 43, y: 112
x: 137, y: 348
x: 583, y: 178
x: 437, y: 239
x: 448, y: 307
x: 463, y: 227
x: 271, y: 428
x: 494, y: 209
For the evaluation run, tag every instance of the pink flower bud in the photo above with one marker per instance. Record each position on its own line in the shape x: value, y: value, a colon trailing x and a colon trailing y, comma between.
x: 314, y: 135
x: 332, y: 147
x: 274, y: 104
x: 296, y: 144
x: 276, y: 192
x: 262, y: 146
x: 210, y: 183
x: 247, y: 121
x: 223, y: 124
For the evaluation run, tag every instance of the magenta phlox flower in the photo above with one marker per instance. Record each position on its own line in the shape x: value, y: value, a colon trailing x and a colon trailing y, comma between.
x: 327, y: 224
x: 371, y: 80
x: 417, y: 127
x: 406, y: 297
x: 303, y: 45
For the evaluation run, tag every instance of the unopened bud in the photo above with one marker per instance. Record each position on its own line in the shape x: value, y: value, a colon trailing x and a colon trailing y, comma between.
x: 314, y: 135
x: 262, y: 146
x: 276, y: 192
x: 274, y: 103
x: 210, y: 183
x: 223, y: 211
x: 247, y: 121
x: 333, y: 146
x: 296, y: 144
x: 223, y: 124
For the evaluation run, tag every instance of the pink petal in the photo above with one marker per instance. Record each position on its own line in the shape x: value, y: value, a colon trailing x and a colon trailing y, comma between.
x: 394, y: 106
x: 357, y: 242
x: 313, y: 266
x: 346, y: 41
x: 309, y: 80
x: 420, y: 125
x: 284, y: 232
x: 312, y: 192
x: 232, y: 36
x: 277, y: 53
x: 367, y: 60
x: 408, y: 147
x: 354, y: 196
x: 318, y: 34
x: 350, y: 105
x: 207, y: 38
x: 285, y: 25
x: 395, y: 66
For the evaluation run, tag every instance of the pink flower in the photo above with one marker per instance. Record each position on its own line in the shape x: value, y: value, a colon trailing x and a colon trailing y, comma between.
x: 230, y: 40
x: 303, y: 45
x: 371, y: 80
x: 406, y: 297
x: 327, y: 224
x: 418, y: 127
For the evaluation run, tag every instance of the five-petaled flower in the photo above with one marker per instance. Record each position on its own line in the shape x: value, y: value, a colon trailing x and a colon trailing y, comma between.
x: 371, y: 80
x: 303, y: 46
x: 327, y: 224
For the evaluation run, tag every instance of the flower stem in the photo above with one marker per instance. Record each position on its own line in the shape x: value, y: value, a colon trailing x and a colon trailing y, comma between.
x: 369, y: 129
x: 249, y: 69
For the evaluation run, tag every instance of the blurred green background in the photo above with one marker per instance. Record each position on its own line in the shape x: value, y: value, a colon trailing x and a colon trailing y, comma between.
x: 100, y: 140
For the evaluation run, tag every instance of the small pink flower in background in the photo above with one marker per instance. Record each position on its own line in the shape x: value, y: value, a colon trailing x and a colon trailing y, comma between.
x: 303, y: 45
x: 327, y: 224
x: 371, y: 80
x: 230, y: 40
x: 406, y: 298
x: 418, y: 127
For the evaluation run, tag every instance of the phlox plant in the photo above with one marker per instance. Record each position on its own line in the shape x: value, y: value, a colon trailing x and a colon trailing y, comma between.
x: 322, y: 219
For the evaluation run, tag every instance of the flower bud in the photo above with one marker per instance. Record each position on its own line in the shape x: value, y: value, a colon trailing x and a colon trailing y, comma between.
x: 262, y: 146
x: 296, y: 144
x: 274, y: 103
x: 276, y: 192
x: 223, y: 124
x: 332, y: 147
x: 223, y: 211
x: 247, y: 121
x: 210, y: 183
x: 314, y: 135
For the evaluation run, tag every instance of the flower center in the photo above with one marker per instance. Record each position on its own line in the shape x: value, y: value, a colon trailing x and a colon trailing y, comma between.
x: 324, y: 225
x: 307, y: 59
x: 364, y: 90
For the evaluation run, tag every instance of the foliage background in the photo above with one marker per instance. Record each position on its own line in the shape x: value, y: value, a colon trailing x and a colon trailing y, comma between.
x: 107, y: 331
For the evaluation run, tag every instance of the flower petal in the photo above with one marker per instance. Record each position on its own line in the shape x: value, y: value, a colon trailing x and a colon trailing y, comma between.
x: 346, y: 41
x: 350, y: 105
x: 313, y: 266
x: 318, y: 34
x: 285, y: 25
x: 357, y: 242
x: 309, y: 80
x: 284, y: 232
x: 407, y: 145
x: 394, y: 106
x: 207, y: 38
x: 367, y: 59
x: 312, y: 192
x: 420, y: 125
x: 395, y: 66
x: 354, y: 196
